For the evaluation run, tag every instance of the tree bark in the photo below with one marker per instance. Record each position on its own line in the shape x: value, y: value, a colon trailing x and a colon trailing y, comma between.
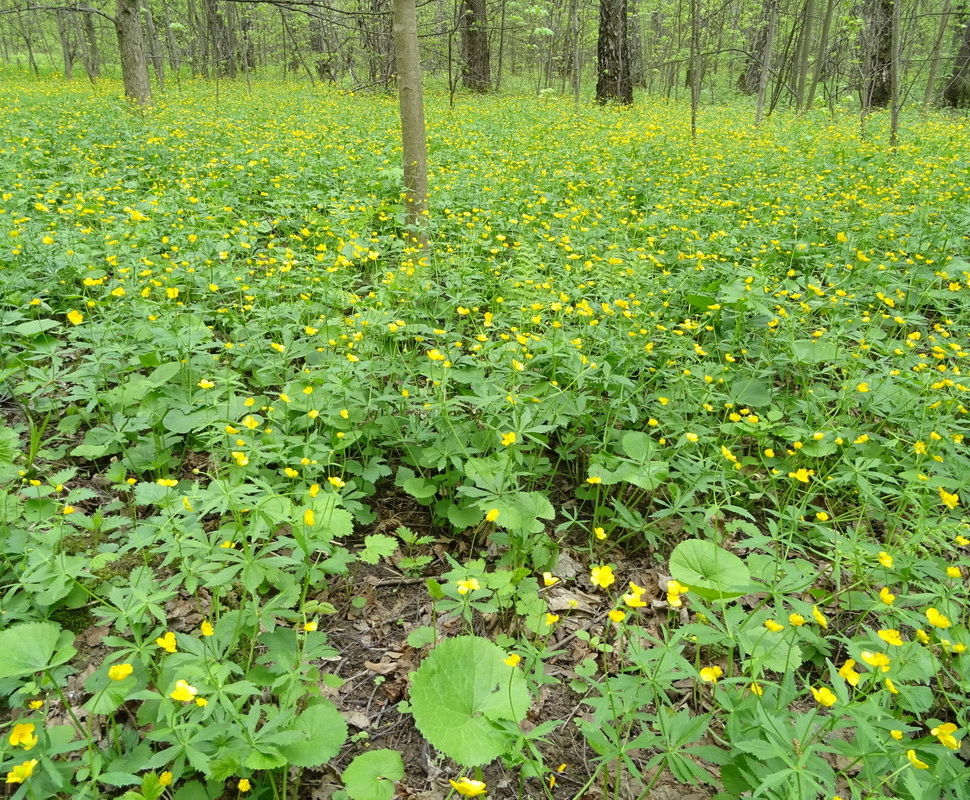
x: 407, y: 59
x: 804, y: 48
x: 476, y: 73
x: 614, y: 82
x: 131, y: 48
x: 931, y: 89
x: 766, y: 55
x: 154, y: 50
x: 956, y: 93
x: 64, y: 25
x: 878, y: 89
x: 92, y: 58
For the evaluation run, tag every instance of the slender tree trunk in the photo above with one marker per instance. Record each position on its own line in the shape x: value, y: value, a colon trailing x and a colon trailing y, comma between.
x: 695, y: 64
x: 92, y: 59
x: 804, y: 48
x: 131, y: 48
x: 411, y: 99
x: 767, y: 53
x: 576, y: 53
x: 501, y: 47
x: 476, y: 74
x: 823, y: 51
x: 154, y: 50
x: 956, y: 93
x: 894, y: 69
x: 67, y: 48
x: 613, y: 54
x: 931, y: 90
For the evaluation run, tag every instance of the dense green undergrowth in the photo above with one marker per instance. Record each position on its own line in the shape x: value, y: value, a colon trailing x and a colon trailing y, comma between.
x: 220, y: 361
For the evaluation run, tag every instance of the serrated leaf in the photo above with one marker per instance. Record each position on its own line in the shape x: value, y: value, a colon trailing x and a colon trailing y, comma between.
x: 372, y: 775
x: 34, y: 647
x: 376, y: 547
x: 458, y: 690
x: 323, y: 731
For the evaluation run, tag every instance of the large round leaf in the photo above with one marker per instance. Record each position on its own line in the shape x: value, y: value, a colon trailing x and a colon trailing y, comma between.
x: 324, y: 731
x: 460, y: 688
x: 33, y: 647
x: 710, y: 571
x: 372, y: 775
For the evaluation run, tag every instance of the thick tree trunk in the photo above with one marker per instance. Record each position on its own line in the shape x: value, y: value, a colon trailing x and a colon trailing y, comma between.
x: 131, y: 48
x: 407, y: 59
x: 878, y: 89
x: 956, y: 93
x: 476, y: 69
x: 614, y: 82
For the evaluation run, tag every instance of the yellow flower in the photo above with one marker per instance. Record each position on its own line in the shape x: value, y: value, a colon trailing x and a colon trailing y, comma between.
x: 602, y: 576
x: 711, y: 674
x: 691, y: 437
x: 165, y: 779
x: 886, y: 596
x: 244, y: 785
x: 513, y: 659
x: 552, y: 619
x: 757, y: 689
x: 468, y: 585
x: 936, y: 619
x: 773, y: 626
x: 634, y: 600
x: 75, y: 317
x: 548, y: 579
x: 862, y: 387
x: 945, y: 734
x: 594, y: 479
x: 617, y: 616
x: 183, y: 692
x: 119, y: 672
x: 205, y: 384
x: 68, y: 510
x: 886, y: 560
x: 824, y: 696
x: 23, y: 735
x: 599, y: 533
x: 896, y: 734
x: 206, y: 628
x: 167, y: 642
x: 954, y: 572
x: 949, y: 500
x: 310, y: 627
x: 821, y: 516
x: 848, y: 674
x: 468, y: 788
x: 880, y: 660
x: 309, y: 518
x: 492, y: 515
x: 802, y: 474
x: 911, y: 755
x: 819, y: 617
x: 890, y: 686
x: 168, y: 483
x: 509, y: 438
x: 796, y: 619
x: 891, y: 636
x: 22, y: 771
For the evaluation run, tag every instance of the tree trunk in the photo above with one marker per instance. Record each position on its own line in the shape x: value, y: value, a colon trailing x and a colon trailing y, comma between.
x: 804, y: 48
x: 956, y: 93
x: 878, y: 89
x: 613, y: 81
x: 576, y: 62
x: 131, y: 49
x: 407, y: 58
x: 92, y: 58
x: 155, y: 51
x: 64, y: 25
x: 766, y: 55
x: 931, y: 89
x: 475, y: 74
x: 823, y: 52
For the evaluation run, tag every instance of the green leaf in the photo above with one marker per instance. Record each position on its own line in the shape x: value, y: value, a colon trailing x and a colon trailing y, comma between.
x: 33, y: 647
x: 751, y: 391
x: 372, y: 775
x: 459, y: 689
x: 813, y: 351
x: 35, y: 326
x: 710, y: 571
x: 376, y: 547
x: 323, y: 732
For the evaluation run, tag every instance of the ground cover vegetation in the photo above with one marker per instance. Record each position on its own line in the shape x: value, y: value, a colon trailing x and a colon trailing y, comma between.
x: 649, y: 474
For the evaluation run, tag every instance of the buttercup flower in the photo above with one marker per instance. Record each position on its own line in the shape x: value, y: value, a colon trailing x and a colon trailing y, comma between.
x: 936, y: 619
x: 513, y: 659
x: 548, y: 579
x: 23, y: 735
x: 119, y: 672
x: 22, y: 771
x: 886, y: 560
x: 824, y: 696
x: 468, y: 585
x: 891, y: 636
x: 848, y: 674
x: 244, y: 785
x: 773, y: 626
x: 911, y: 755
x: 602, y: 576
x: 467, y: 787
x: 167, y: 642
x: 945, y: 734
x: 183, y: 692
x: 711, y: 674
